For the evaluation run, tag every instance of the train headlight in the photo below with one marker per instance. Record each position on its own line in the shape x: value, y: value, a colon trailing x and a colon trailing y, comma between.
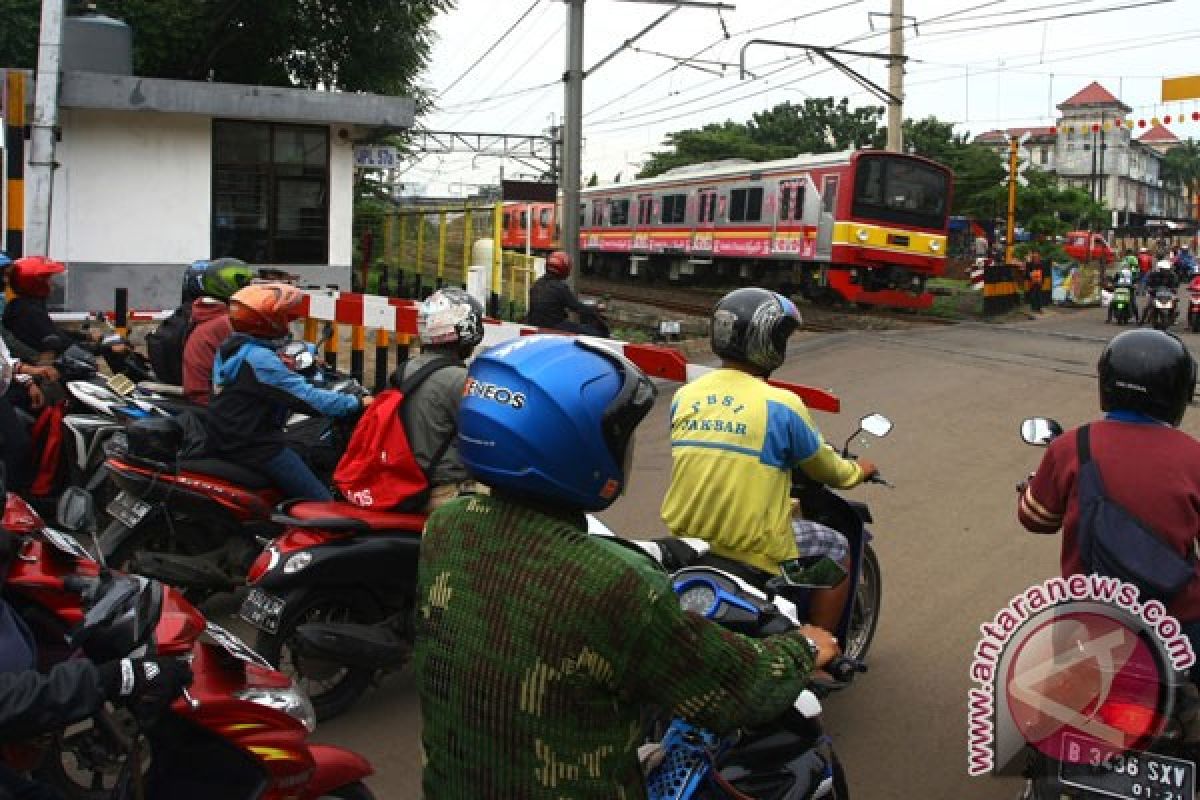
x: 863, y: 235
x: 935, y: 245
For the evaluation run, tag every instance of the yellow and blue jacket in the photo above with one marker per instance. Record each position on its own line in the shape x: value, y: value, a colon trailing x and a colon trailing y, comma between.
x: 734, y: 442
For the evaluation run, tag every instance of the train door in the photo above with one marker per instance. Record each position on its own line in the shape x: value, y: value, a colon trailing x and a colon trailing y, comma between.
x: 706, y: 213
x: 829, y: 190
x: 645, y: 212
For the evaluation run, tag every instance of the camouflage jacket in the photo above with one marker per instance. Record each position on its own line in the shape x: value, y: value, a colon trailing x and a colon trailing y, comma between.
x: 538, y: 647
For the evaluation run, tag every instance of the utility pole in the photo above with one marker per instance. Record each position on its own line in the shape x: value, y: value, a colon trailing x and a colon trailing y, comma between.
x: 1010, y: 228
x: 45, y: 121
x: 895, y: 119
x: 572, y: 135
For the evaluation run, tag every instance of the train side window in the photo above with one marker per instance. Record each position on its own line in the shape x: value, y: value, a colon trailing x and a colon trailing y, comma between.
x: 507, y: 219
x: 674, y: 206
x: 544, y: 218
x: 524, y: 220
x: 745, y: 205
x: 737, y: 205
x: 798, y: 208
x: 582, y: 219
x: 645, y: 206
x: 597, y: 213
x: 785, y: 202
x: 829, y: 194
x: 618, y: 212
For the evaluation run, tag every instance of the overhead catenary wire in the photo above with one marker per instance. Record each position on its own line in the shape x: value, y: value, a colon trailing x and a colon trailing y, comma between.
x: 493, y: 46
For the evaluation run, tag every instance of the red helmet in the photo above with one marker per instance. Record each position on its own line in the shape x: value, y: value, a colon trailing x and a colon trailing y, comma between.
x: 31, y: 275
x: 559, y: 264
x: 264, y: 309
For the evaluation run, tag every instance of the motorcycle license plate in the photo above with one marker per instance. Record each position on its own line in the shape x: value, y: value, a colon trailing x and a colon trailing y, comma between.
x: 1130, y: 775
x: 262, y: 610
x: 128, y: 510
x: 235, y: 646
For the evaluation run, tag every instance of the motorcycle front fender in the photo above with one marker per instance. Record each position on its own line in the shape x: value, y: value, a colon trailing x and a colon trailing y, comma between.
x: 334, y: 768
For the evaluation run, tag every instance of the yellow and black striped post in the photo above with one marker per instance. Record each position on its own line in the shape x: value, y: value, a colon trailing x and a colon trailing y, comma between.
x: 331, y: 346
x: 382, y: 343
x: 358, y: 347
x: 14, y: 153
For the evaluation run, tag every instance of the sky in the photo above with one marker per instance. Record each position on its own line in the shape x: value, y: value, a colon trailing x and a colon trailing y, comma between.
x: 969, y: 64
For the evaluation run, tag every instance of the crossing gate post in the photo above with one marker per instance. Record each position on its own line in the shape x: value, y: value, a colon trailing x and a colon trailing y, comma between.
x: 382, y: 342
x: 497, y: 258
x: 331, y: 345
x: 358, y: 346
x: 121, y: 309
x: 441, y: 259
x: 468, y: 234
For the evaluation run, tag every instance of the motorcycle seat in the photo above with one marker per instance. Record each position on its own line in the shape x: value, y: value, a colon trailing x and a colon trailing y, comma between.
x: 338, y: 515
x: 227, y: 470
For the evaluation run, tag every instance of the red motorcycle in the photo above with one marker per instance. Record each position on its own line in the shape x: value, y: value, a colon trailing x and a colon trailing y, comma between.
x: 241, y: 729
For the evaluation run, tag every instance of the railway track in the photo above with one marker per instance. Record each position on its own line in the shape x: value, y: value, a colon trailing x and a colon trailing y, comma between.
x: 699, y: 303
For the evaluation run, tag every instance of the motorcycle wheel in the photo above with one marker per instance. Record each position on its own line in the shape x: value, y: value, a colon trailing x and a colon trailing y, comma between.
x: 353, y: 791
x: 332, y: 688
x: 88, y: 760
x: 868, y: 597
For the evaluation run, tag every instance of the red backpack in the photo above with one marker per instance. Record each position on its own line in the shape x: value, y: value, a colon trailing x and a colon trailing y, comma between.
x: 378, y: 469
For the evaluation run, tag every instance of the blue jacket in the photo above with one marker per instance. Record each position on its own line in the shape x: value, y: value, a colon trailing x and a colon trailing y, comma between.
x: 255, y: 391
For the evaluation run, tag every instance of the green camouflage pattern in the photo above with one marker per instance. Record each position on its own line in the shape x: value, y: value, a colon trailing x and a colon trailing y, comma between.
x: 539, y: 647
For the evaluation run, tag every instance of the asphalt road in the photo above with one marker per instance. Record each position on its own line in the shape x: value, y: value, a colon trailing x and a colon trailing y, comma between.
x: 947, y: 537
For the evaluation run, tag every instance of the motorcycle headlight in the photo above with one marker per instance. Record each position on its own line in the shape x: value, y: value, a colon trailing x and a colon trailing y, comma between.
x: 863, y: 235
x: 935, y: 245
x: 297, y: 562
x: 290, y: 701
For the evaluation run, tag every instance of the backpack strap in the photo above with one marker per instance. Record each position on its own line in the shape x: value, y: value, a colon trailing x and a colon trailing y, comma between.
x: 408, y: 385
x: 1083, y: 445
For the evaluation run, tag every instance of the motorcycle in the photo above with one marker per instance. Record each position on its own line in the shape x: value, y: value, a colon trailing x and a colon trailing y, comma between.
x: 198, y: 522
x: 1162, y: 765
x: 594, y: 316
x: 791, y: 757
x: 240, y: 730
x: 1122, y: 305
x: 1193, y: 316
x: 333, y: 597
x: 1164, y: 308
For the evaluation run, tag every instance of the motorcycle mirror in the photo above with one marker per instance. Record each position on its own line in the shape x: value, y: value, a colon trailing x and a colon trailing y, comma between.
x: 876, y: 425
x: 1040, y: 431
x: 76, y: 510
x: 815, y: 572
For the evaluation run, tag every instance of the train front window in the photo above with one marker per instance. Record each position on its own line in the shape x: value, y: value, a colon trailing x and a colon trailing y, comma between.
x: 900, y: 190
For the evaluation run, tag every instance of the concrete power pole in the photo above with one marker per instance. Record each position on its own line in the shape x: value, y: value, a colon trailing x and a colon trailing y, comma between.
x: 45, y: 120
x: 895, y: 118
x: 572, y: 134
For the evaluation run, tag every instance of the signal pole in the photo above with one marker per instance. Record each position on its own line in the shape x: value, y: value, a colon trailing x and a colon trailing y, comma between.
x: 1014, y: 146
x: 895, y: 119
x: 572, y: 135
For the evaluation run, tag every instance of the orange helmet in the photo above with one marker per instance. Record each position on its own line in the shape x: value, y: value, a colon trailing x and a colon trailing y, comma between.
x: 31, y: 275
x: 559, y: 264
x: 264, y: 309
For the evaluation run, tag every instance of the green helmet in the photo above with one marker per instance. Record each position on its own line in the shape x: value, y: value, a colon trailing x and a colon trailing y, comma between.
x: 224, y: 276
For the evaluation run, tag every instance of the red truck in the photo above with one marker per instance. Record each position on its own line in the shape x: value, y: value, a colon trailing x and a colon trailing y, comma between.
x: 1076, y: 246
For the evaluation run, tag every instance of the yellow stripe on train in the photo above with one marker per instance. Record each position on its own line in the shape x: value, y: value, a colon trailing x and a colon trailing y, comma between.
x: 859, y: 234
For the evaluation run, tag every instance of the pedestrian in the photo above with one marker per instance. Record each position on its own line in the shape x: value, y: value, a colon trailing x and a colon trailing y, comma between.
x: 1033, y: 271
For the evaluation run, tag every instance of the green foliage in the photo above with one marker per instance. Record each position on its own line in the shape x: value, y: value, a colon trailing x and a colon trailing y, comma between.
x: 1047, y: 211
x: 356, y: 45
x: 820, y: 125
x: 1182, y: 166
x: 594, y: 180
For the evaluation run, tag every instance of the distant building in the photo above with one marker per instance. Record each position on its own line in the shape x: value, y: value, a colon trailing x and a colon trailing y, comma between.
x: 1120, y: 169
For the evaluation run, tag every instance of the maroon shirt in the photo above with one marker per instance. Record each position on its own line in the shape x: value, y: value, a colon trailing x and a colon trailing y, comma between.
x: 1152, y: 470
x: 210, y: 327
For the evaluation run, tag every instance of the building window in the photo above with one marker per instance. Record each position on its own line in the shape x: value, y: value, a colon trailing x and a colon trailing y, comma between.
x: 1044, y: 156
x: 270, y: 192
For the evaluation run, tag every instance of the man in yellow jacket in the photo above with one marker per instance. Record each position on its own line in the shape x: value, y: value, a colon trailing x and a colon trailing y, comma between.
x: 735, y: 440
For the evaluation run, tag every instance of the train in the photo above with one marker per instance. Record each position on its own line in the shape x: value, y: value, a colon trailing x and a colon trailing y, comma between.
x: 864, y: 226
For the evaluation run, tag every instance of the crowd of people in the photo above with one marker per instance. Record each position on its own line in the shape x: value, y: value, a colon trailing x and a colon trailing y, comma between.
x: 538, y: 643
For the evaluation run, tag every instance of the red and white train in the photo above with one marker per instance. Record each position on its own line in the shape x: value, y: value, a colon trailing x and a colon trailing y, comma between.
x: 866, y: 226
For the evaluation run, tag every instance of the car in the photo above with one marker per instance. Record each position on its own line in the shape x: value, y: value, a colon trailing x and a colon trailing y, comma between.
x: 1077, y: 247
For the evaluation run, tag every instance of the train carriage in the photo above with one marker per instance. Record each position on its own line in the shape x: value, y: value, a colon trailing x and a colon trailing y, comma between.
x: 868, y: 226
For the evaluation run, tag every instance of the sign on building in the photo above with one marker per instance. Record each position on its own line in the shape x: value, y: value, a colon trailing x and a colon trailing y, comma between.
x: 376, y: 156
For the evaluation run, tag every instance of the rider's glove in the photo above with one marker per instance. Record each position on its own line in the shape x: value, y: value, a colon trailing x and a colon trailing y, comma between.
x: 146, y: 686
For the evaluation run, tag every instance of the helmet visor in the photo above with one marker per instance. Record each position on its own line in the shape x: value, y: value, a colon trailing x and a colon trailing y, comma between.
x: 632, y: 403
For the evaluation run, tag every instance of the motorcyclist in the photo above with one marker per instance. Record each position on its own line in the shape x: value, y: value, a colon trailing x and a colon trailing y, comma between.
x: 550, y: 298
x: 450, y: 327
x: 540, y: 646
x: 1185, y: 263
x: 1124, y: 280
x: 254, y: 391
x: 210, y: 325
x: 1149, y: 466
x: 34, y: 703
x: 735, y: 441
x: 1162, y: 277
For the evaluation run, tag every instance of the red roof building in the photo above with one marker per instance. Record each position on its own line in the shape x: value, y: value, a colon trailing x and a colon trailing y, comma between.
x: 1093, y: 96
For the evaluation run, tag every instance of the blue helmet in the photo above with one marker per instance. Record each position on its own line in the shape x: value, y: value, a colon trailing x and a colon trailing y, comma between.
x: 552, y: 418
x: 193, y: 280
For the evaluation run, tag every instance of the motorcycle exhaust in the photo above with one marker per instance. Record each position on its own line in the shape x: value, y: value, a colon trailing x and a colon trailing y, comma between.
x: 369, y: 646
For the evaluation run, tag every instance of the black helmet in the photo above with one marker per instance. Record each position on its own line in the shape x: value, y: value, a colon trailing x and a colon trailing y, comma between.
x: 752, y: 326
x: 1148, y: 371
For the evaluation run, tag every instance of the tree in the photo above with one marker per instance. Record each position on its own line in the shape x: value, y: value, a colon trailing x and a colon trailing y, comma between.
x: 1182, y: 165
x: 594, y: 180
x: 1047, y: 212
x: 355, y: 45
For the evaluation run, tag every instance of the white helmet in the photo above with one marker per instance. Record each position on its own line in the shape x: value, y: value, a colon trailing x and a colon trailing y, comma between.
x: 450, y: 316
